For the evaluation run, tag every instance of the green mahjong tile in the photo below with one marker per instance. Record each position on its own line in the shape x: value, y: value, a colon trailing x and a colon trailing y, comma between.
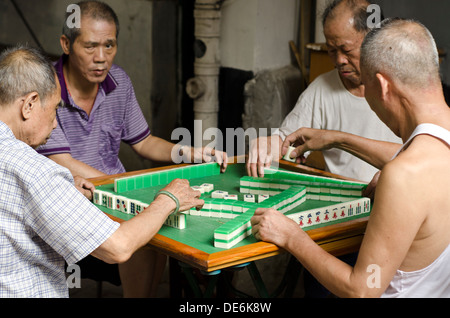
x: 171, y: 175
x: 147, y: 179
x: 163, y: 178
x: 139, y: 182
x: 121, y: 186
x: 130, y: 184
x: 154, y: 179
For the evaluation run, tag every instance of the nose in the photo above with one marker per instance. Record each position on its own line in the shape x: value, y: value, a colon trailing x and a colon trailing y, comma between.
x: 341, y: 59
x: 99, y: 56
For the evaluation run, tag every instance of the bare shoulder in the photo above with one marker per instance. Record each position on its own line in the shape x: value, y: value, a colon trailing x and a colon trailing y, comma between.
x: 420, y: 175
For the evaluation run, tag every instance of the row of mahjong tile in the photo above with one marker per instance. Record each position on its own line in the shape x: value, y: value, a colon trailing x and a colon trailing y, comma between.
x: 239, y: 228
x: 231, y: 233
x: 228, y: 206
x: 331, y: 213
x: 307, y: 179
x: 123, y: 204
x: 116, y: 202
x: 157, y: 178
x: 133, y: 207
x: 276, y: 185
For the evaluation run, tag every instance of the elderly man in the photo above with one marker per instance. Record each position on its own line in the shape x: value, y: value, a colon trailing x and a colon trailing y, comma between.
x: 45, y: 221
x: 406, y: 249
x: 102, y: 112
x: 334, y: 101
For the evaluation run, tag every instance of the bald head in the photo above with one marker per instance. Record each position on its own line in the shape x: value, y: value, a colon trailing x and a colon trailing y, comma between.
x: 24, y: 70
x: 403, y: 50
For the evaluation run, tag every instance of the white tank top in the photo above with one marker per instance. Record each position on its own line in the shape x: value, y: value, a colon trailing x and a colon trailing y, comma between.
x: 432, y: 281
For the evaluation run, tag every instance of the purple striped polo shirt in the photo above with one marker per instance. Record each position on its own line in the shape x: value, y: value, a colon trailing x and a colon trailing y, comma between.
x: 95, y: 139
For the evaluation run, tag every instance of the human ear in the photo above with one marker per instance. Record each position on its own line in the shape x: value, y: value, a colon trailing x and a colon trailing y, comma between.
x: 65, y: 44
x: 29, y: 102
x: 385, y: 86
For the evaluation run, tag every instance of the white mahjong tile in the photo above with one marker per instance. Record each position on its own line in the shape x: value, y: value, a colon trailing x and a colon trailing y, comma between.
x: 249, y: 198
x: 219, y: 194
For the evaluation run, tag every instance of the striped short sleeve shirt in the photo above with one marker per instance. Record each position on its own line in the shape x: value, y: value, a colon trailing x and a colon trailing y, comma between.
x: 95, y: 139
x: 44, y: 221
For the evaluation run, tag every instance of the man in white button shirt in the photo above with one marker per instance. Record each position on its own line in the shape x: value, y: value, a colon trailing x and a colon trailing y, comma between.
x: 44, y: 220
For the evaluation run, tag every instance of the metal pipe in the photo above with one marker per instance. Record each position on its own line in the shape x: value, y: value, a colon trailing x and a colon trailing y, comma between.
x: 204, y: 87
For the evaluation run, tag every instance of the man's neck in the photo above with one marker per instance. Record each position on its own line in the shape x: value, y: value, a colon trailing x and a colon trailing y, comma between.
x: 355, y: 89
x: 82, y: 92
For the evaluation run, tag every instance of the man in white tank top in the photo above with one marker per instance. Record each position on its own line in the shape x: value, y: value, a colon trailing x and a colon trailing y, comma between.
x: 405, y: 251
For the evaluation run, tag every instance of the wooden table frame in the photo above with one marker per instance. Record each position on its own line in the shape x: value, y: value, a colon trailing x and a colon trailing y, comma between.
x: 338, y: 239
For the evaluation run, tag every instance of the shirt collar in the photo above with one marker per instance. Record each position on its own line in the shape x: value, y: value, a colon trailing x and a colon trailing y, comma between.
x: 5, y: 130
x: 108, y: 85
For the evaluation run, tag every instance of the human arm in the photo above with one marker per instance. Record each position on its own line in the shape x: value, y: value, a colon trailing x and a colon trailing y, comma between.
x: 375, y: 152
x: 84, y: 186
x: 76, y: 167
x: 138, y: 231
x: 263, y: 151
x: 386, y: 243
x: 157, y: 149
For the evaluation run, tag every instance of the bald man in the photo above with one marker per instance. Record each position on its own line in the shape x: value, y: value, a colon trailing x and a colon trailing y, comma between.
x: 405, y: 251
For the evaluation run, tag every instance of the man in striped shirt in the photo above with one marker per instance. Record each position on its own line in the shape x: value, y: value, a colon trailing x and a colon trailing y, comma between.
x: 44, y: 220
x: 100, y: 112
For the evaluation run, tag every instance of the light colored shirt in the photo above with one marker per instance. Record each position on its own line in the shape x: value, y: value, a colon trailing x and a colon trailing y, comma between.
x: 44, y: 221
x: 434, y: 280
x: 95, y: 139
x: 327, y: 104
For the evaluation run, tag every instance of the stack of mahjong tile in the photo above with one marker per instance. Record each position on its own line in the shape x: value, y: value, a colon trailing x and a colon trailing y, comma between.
x: 234, y: 231
x: 345, y: 210
x: 164, y: 177
x: 276, y: 183
x: 317, y: 188
x: 118, y: 197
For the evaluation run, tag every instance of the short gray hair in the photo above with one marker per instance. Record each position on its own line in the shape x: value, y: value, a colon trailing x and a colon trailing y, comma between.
x: 24, y: 70
x: 96, y: 10
x: 403, y: 50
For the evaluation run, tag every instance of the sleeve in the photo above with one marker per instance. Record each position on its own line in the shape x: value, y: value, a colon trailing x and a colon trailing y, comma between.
x: 63, y: 217
x: 56, y: 144
x: 136, y: 128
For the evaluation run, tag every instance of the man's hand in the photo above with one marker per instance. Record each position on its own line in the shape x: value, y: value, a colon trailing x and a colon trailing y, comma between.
x: 271, y: 226
x: 205, y: 154
x: 263, y: 151
x: 188, y: 197
x: 307, y: 139
x: 85, y: 187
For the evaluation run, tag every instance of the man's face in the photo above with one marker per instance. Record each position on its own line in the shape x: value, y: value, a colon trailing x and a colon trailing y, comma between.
x: 43, y: 120
x: 93, y: 52
x: 344, y: 44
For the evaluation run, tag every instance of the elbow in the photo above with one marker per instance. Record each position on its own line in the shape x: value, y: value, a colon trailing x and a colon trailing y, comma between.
x: 114, y: 251
x: 363, y: 291
x: 120, y: 254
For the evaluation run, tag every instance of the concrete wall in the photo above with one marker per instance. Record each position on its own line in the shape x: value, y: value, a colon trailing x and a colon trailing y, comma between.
x: 256, y: 33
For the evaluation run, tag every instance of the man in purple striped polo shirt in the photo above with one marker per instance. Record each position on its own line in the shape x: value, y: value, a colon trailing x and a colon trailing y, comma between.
x: 100, y: 112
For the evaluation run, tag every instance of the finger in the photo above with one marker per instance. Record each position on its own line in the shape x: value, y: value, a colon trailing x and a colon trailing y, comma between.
x: 199, y: 204
x: 299, y: 151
